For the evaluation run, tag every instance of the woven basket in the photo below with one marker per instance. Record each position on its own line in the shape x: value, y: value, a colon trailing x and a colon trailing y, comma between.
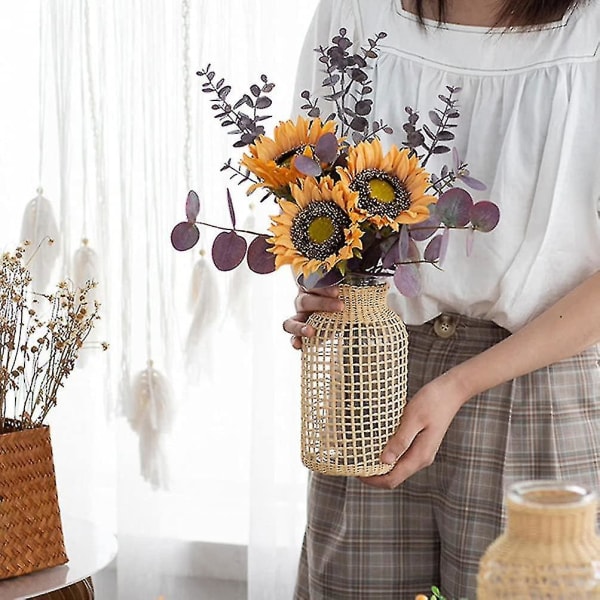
x: 31, y: 536
x: 354, y: 377
x: 550, y: 549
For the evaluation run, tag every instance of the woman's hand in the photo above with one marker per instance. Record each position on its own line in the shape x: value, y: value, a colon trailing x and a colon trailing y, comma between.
x: 309, y: 301
x: 425, y: 420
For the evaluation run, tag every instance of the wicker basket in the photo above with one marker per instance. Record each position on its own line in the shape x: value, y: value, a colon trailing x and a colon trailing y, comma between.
x: 31, y: 536
x: 354, y: 378
x: 550, y: 549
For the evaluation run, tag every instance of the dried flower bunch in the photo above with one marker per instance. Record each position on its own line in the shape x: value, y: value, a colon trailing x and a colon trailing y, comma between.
x: 346, y: 204
x: 40, y: 339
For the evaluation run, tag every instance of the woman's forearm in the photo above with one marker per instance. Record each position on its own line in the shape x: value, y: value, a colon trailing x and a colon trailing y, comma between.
x: 565, y: 329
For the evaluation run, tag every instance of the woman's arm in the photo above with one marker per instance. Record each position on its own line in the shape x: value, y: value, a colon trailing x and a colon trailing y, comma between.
x: 563, y: 330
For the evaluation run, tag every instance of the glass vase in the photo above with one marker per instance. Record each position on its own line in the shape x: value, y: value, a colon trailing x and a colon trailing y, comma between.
x: 354, y: 380
x: 550, y: 548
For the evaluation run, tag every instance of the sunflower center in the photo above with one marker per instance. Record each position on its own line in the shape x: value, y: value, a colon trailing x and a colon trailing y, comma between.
x: 317, y: 231
x: 382, y: 191
x: 321, y: 229
x: 381, y: 194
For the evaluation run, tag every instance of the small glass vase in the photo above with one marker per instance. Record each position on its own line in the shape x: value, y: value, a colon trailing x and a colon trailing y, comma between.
x: 354, y: 380
x: 550, y: 549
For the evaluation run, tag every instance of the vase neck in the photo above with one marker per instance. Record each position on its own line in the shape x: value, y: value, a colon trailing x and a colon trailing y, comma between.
x: 363, y: 301
x: 550, y: 514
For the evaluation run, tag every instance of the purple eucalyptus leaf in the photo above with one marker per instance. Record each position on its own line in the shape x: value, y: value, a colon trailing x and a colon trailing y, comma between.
x: 327, y: 148
x: 432, y: 251
x: 320, y: 280
x: 228, y: 250
x: 485, y: 216
x: 403, y: 244
x: 231, y: 210
x: 407, y: 280
x: 414, y: 253
x: 425, y: 229
x: 192, y: 206
x: 435, y: 118
x: 454, y: 207
x: 473, y: 183
x: 455, y: 159
x: 260, y: 260
x: 184, y: 236
x: 307, y: 166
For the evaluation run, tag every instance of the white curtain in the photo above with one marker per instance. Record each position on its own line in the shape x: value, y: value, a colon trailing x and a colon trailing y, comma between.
x: 104, y: 92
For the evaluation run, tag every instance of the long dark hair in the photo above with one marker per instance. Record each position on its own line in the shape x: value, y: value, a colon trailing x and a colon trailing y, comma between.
x: 515, y: 12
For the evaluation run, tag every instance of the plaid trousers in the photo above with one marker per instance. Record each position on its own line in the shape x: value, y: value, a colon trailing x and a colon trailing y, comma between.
x: 363, y: 543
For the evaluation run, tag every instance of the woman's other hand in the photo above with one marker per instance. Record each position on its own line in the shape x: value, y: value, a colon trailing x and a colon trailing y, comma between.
x: 309, y: 301
x: 425, y: 420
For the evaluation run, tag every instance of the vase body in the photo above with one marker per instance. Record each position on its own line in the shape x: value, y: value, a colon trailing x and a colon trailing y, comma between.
x: 354, y: 379
x: 31, y: 536
x: 550, y: 549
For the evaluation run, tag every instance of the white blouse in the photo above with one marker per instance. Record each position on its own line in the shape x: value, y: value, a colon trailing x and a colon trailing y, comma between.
x: 529, y: 128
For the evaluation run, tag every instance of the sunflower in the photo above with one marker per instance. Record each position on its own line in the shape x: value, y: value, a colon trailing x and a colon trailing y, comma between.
x: 318, y: 230
x: 391, y: 188
x: 271, y: 159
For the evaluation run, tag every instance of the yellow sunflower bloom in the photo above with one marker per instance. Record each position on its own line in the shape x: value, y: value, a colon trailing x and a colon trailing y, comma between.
x: 270, y: 159
x: 391, y: 188
x: 318, y: 230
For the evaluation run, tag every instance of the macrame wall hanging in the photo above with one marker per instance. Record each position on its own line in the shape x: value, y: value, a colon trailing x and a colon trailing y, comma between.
x: 203, y: 296
x: 39, y: 226
x: 146, y: 72
x: 86, y: 261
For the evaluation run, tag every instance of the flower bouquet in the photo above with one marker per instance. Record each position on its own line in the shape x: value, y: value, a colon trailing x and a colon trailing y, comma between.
x: 351, y: 212
x: 40, y: 337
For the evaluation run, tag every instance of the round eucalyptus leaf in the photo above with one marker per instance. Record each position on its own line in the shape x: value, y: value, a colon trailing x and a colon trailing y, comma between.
x: 433, y: 249
x: 454, y: 207
x: 407, y: 280
x: 485, y: 216
x: 260, y: 260
x: 184, y: 236
x: 228, y: 250
x: 307, y: 166
x: 327, y: 148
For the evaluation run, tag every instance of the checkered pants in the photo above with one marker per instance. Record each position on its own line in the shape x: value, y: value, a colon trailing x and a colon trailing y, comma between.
x: 363, y: 543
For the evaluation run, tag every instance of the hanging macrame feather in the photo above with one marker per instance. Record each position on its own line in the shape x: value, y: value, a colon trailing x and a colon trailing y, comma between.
x: 39, y: 228
x: 204, y: 303
x: 150, y: 412
x: 86, y: 268
x: 153, y: 460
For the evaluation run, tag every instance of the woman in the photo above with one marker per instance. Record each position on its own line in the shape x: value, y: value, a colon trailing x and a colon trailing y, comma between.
x: 504, y: 372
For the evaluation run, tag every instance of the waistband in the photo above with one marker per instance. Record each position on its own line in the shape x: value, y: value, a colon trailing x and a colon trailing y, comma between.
x: 449, y: 325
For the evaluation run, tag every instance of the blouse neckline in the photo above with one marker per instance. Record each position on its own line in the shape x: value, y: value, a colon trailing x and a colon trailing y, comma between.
x: 479, y: 29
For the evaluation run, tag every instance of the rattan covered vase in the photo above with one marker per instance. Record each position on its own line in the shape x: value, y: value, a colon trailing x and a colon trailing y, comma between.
x: 354, y: 379
x: 31, y: 535
x: 550, y: 549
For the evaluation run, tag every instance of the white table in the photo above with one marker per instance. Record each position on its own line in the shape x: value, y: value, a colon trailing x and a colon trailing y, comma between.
x: 89, y: 550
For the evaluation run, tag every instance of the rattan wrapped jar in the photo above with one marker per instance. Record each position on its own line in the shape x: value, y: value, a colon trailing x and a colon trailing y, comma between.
x: 354, y: 378
x: 550, y: 549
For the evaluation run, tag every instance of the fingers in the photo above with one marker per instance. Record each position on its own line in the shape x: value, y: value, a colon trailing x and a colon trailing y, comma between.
x: 326, y: 299
x: 297, y: 326
x: 418, y: 456
x: 307, y: 302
